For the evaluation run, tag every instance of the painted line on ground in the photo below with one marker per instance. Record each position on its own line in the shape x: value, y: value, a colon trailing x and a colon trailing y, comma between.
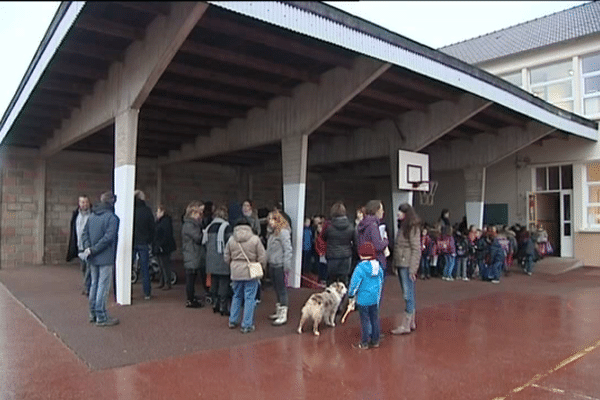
x: 561, y: 391
x: 562, y: 364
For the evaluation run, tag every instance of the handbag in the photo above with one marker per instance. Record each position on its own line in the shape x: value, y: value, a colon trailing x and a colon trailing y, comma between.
x: 255, y: 269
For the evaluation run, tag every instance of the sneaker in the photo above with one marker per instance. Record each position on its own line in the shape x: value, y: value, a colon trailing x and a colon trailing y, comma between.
x: 108, y: 322
x: 529, y: 273
x: 360, y: 346
x: 193, y: 304
x: 92, y: 319
x: 444, y: 278
x: 374, y: 345
x: 450, y: 278
x: 465, y: 279
x: 249, y: 329
x: 146, y: 297
x: 232, y: 325
x: 495, y: 281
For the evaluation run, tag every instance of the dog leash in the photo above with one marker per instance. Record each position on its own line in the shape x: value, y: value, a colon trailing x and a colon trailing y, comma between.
x: 311, y: 281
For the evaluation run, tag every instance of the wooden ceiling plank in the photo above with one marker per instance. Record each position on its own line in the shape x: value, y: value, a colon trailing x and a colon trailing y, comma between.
x: 108, y: 27
x: 227, y: 27
x: 168, y: 128
x: 182, y: 118
x: 150, y: 7
x: 205, y: 74
x: 393, y: 99
x: 196, y: 107
x: 68, y: 68
x: 66, y: 86
x: 90, y: 50
x: 247, y: 61
x: 200, y: 92
x: 419, y: 86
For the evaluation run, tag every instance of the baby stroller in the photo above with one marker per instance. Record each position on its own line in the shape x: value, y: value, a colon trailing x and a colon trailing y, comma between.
x: 153, y: 267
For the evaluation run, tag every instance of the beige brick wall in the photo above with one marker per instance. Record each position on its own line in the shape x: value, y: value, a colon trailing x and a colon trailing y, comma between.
x: 70, y: 174
x: 19, y: 208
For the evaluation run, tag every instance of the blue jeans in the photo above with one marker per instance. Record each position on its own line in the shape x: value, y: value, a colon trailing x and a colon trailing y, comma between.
x: 244, y: 295
x: 369, y: 323
x: 87, y: 278
x: 98, y: 298
x: 144, y: 252
x: 529, y: 264
x: 495, y: 270
x: 408, y: 289
x: 461, y: 269
x: 449, y: 266
x: 425, y: 265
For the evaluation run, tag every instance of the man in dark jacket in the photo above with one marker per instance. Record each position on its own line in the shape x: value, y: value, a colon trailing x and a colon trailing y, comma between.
x: 100, y: 242
x: 143, y: 236
x: 78, y: 221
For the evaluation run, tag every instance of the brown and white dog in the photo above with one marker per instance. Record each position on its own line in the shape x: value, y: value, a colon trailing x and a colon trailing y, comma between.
x: 323, y: 306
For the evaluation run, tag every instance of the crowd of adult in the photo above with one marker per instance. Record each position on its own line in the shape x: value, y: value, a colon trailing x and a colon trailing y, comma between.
x: 219, y: 242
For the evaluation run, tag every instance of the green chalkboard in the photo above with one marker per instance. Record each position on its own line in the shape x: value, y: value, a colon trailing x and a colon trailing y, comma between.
x: 495, y: 214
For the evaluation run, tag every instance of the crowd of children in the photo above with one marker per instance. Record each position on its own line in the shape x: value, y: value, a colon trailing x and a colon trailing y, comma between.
x: 484, y: 253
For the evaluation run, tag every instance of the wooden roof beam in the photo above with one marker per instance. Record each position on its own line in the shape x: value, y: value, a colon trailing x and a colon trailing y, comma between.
x: 247, y: 61
x: 205, y: 74
x: 393, y: 99
x: 208, y: 94
x: 196, y: 107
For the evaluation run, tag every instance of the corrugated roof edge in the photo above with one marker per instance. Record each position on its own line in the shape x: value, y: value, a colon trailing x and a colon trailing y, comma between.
x: 369, y: 28
x: 58, y: 16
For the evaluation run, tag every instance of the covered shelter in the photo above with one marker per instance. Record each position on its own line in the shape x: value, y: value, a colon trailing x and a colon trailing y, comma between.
x: 227, y: 100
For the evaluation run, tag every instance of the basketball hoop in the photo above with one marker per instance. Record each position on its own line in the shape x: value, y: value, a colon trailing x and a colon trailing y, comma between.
x: 426, y: 197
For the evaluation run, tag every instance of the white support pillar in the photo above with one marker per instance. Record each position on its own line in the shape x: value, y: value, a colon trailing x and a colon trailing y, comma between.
x: 125, y: 157
x: 40, y: 189
x: 294, y: 151
x: 475, y: 195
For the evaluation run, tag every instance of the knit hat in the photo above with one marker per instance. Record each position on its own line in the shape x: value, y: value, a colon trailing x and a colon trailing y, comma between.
x: 367, y: 250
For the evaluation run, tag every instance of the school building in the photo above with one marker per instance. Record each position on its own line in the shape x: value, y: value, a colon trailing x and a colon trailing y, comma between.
x: 299, y: 102
x: 554, y: 182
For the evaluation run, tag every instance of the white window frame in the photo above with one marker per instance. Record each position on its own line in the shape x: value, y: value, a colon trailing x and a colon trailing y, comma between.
x: 533, y: 86
x: 588, y: 96
x: 589, y: 226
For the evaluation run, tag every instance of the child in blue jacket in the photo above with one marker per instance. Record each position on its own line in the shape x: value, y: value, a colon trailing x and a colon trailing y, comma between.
x: 365, y: 287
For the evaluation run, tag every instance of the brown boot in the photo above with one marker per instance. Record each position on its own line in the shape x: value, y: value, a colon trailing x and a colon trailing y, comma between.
x: 405, y: 326
x: 413, y: 324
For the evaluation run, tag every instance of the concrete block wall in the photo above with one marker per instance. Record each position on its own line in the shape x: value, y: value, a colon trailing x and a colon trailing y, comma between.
x: 69, y: 175
x: 19, y: 230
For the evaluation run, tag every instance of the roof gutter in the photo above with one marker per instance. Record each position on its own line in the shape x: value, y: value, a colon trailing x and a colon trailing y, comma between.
x: 65, y: 16
x: 331, y: 25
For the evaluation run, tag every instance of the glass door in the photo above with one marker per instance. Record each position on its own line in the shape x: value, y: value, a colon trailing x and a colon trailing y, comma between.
x: 566, y: 224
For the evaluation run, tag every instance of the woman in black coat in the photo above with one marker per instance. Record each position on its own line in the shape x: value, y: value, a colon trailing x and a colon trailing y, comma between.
x: 340, y: 237
x: 164, y: 245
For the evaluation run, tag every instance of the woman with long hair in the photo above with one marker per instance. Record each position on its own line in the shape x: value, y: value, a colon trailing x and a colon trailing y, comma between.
x: 192, y: 249
x: 407, y: 255
x: 279, y: 259
x: 371, y: 229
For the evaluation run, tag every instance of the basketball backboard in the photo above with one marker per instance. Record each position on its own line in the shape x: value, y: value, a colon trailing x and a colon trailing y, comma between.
x: 413, y: 171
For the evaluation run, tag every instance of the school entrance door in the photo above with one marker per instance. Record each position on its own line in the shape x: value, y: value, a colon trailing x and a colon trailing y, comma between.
x: 550, y: 205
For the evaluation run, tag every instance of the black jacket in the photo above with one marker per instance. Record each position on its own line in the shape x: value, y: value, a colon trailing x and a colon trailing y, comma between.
x: 143, y: 223
x: 340, y: 237
x: 164, y: 242
x: 73, y: 250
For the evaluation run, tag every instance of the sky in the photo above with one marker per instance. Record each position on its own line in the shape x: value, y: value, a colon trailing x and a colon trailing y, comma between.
x: 432, y: 23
